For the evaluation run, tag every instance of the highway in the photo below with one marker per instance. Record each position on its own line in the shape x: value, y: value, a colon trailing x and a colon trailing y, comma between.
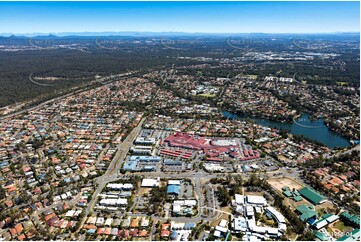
x: 72, y: 93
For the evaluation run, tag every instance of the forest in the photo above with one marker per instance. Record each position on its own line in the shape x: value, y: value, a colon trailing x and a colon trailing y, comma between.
x: 61, y: 63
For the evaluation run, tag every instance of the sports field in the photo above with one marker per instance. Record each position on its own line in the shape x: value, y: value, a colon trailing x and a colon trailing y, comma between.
x: 278, y: 183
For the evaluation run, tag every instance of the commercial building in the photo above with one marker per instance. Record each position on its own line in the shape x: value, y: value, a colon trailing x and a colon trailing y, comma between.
x: 173, y: 189
x: 119, y: 186
x: 149, y: 182
x: 326, y: 220
x: 144, y: 141
x: 114, y: 202
x: 307, y: 213
x: 312, y: 196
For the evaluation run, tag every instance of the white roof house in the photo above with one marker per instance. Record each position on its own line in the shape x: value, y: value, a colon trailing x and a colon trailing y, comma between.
x: 223, y: 223
x: 257, y: 200
x: 108, y: 222
x: 174, y: 182
x: 100, y: 221
x: 70, y: 213
x: 148, y: 182
x: 119, y: 186
x: 251, y: 224
x: 332, y: 218
x: 321, y: 224
x: 260, y: 230
x: 176, y: 225
x: 176, y: 208
x: 282, y: 227
x: 249, y: 211
x: 222, y: 229
x: 239, y: 199
x: 272, y: 231
x: 91, y: 220
x: 113, y: 202
x: 239, y: 209
x: 144, y: 222
x: 188, y: 203
x: 224, y: 142
x: 217, y: 233
x: 277, y: 215
x: 239, y: 224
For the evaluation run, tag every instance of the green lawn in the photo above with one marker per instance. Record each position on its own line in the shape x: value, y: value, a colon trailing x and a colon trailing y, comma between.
x: 207, y: 95
x: 251, y: 76
x: 341, y: 226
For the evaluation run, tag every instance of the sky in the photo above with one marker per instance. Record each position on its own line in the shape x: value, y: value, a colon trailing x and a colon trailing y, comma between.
x: 204, y: 17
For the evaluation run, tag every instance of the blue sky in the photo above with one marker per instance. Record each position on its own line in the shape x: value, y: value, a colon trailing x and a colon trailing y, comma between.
x: 206, y: 17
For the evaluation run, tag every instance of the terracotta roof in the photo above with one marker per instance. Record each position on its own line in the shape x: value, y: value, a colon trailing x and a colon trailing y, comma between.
x: 21, y: 237
x: 19, y: 228
x: 12, y: 231
x: 165, y: 233
x: 165, y: 226
x: 335, y: 181
x: 89, y: 226
x: 143, y: 233
x: 9, y: 203
x: 49, y: 216
x: 135, y: 223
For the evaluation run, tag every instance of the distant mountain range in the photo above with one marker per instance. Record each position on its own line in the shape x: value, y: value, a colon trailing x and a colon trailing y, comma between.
x: 164, y: 34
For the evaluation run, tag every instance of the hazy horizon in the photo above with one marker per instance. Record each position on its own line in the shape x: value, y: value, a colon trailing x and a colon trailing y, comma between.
x: 150, y: 33
x: 186, y: 17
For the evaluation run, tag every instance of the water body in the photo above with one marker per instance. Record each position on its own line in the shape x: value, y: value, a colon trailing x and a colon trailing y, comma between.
x: 314, y: 130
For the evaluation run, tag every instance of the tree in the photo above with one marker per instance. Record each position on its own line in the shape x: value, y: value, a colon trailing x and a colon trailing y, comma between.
x: 2, y: 192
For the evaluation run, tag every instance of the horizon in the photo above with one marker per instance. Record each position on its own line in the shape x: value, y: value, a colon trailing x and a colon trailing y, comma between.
x: 27, y: 18
x: 150, y: 33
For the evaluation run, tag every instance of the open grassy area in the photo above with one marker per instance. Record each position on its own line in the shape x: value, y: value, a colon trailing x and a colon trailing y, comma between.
x: 141, y: 191
x: 207, y: 95
x: 252, y: 76
x: 215, y: 223
x: 279, y: 183
x: 326, y: 207
x: 341, y: 226
x: 254, y: 193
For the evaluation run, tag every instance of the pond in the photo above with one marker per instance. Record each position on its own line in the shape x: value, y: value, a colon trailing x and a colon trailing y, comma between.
x: 314, y: 130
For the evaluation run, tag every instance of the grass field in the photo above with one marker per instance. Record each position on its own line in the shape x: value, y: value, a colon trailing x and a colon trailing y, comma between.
x: 338, y: 228
x: 278, y: 183
x: 341, y: 226
x: 327, y: 207
x: 254, y: 193
x: 142, y: 191
x: 252, y: 76
x: 215, y: 223
x: 207, y: 95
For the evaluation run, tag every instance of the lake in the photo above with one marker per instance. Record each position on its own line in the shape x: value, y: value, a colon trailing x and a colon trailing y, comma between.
x: 314, y: 130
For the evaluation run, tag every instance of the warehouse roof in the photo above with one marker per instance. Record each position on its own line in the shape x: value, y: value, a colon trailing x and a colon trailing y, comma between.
x: 312, y: 195
x: 306, y: 212
x: 173, y: 189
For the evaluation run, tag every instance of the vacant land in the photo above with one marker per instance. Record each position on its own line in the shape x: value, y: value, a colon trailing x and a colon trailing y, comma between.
x: 279, y: 183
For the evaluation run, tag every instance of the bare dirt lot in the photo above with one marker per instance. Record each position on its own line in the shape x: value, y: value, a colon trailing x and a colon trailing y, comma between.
x: 278, y: 183
x: 254, y: 193
x: 326, y: 207
x: 217, y: 221
x: 141, y: 191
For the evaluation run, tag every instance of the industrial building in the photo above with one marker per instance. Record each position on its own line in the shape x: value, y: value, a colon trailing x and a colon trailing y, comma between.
x: 312, y: 196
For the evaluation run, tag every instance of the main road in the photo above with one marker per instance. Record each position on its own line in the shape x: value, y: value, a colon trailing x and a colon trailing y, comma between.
x: 114, y: 166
